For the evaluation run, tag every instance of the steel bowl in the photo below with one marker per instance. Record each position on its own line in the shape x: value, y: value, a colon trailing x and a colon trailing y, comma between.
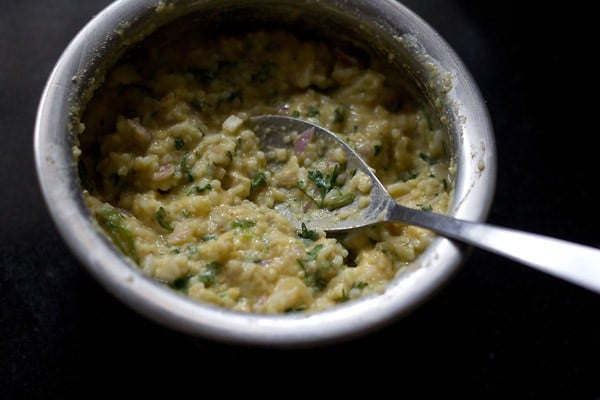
x: 413, y: 51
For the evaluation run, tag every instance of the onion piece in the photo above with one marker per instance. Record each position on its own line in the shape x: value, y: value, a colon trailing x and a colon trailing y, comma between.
x: 302, y: 141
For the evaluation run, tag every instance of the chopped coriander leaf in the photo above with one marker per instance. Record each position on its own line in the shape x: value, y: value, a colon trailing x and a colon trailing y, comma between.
x: 305, y: 233
x: 316, y: 280
x: 161, y: 216
x: 411, y: 175
x: 344, y: 297
x: 339, y: 114
x: 229, y: 155
x: 179, y: 143
x: 183, y: 167
x: 295, y: 114
x: 200, y: 189
x: 115, y: 226
x: 242, y: 224
x: 258, y: 180
x: 300, y: 186
x: 312, y: 254
x: 302, y: 264
x: 238, y: 142
x: 209, y: 273
x: 313, y: 112
x: 208, y: 236
x: 359, y: 285
x: 426, y: 208
x: 427, y: 158
x: 377, y: 149
x: 295, y: 309
x: 180, y: 283
x: 324, y: 182
x: 445, y: 184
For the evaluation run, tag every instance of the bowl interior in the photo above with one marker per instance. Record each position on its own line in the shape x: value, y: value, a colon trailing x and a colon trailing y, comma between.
x: 410, y: 52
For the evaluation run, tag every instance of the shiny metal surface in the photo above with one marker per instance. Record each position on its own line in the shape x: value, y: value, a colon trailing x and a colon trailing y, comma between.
x: 416, y: 52
x: 570, y: 261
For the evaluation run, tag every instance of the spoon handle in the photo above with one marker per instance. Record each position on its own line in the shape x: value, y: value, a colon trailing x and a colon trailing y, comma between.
x: 570, y: 261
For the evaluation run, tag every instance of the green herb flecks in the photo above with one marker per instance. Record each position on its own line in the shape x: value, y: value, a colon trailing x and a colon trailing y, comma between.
x: 305, y: 233
x: 180, y: 284
x: 427, y: 158
x: 295, y: 114
x: 312, y: 254
x: 242, y: 224
x: 161, y: 217
x: 301, y: 187
x: 258, y: 180
x: 330, y: 196
x: 316, y: 279
x: 411, y: 175
x: 115, y: 226
x: 445, y: 184
x: 209, y: 273
x: 183, y: 167
x: 324, y: 182
x: 377, y: 149
x: 295, y: 309
x: 313, y: 112
x: 192, y: 249
x: 339, y: 115
x: 360, y: 285
x: 426, y: 208
x: 200, y: 189
x: 178, y: 142
x: 209, y: 236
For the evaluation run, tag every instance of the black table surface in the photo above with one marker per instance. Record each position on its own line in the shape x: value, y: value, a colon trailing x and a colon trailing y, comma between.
x: 497, y: 329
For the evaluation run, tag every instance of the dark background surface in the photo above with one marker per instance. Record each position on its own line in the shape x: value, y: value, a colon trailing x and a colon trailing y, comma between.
x: 498, y: 329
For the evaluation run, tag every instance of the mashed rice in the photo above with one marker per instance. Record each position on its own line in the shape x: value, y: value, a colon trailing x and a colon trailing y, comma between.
x: 174, y: 175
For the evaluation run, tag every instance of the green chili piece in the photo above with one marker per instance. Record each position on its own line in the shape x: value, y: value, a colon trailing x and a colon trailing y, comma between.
x: 337, y: 198
x: 115, y: 226
x: 161, y: 216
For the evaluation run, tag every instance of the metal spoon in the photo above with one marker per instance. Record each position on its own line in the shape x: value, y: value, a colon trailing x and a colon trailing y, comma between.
x: 572, y: 262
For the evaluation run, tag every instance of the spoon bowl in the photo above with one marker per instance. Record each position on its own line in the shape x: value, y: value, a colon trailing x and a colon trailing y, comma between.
x: 570, y: 261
